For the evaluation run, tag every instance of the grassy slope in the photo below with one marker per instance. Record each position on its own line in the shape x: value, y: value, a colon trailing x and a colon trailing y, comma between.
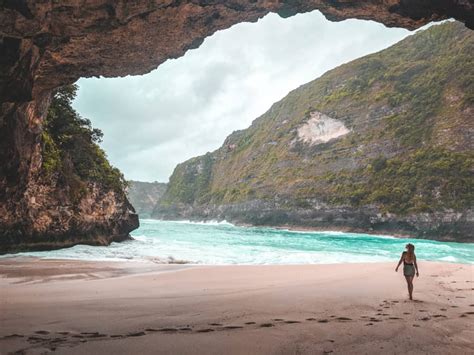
x: 409, y: 109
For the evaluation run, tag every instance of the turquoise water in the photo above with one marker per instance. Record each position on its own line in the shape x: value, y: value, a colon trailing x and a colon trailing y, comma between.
x: 224, y: 243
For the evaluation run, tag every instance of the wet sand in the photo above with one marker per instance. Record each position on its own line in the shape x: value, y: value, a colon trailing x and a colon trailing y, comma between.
x: 76, y: 307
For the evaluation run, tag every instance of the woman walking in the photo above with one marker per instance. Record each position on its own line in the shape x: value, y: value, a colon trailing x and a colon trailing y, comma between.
x: 410, y: 268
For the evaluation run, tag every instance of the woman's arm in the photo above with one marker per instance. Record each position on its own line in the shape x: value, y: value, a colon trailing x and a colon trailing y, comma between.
x: 399, y: 262
x: 416, y: 266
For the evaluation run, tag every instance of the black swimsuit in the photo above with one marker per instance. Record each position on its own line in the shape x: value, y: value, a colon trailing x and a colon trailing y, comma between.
x: 408, y: 269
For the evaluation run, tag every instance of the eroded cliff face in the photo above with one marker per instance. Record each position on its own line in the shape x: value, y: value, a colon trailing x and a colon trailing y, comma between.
x: 50, y: 219
x: 47, y: 44
x: 71, y: 195
x: 144, y: 196
x: 381, y: 144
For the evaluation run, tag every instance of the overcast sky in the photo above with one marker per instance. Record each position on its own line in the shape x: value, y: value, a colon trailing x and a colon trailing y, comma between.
x: 187, y: 106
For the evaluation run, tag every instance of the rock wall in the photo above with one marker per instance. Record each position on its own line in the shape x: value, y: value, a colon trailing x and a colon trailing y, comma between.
x: 319, y: 215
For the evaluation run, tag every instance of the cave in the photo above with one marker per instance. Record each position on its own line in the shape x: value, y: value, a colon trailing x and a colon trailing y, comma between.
x: 45, y: 45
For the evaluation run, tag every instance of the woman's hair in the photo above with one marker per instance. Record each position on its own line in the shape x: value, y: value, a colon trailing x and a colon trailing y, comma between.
x: 410, y: 247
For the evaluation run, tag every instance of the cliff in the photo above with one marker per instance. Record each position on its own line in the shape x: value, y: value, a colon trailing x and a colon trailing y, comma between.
x: 144, y: 196
x: 77, y: 198
x: 381, y: 144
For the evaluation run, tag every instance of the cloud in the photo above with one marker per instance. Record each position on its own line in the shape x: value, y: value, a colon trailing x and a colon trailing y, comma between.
x: 187, y: 106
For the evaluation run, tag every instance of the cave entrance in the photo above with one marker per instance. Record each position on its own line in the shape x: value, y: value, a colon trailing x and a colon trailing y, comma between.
x: 50, y: 45
x: 187, y: 106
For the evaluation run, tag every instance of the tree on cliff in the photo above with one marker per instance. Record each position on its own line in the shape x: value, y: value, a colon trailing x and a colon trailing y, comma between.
x: 70, y: 147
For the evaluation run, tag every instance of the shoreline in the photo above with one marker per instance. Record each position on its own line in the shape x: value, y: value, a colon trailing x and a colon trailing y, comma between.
x: 309, y: 229
x: 162, y: 262
x: 77, y: 307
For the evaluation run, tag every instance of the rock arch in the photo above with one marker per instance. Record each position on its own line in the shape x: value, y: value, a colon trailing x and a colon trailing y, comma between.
x: 46, y: 44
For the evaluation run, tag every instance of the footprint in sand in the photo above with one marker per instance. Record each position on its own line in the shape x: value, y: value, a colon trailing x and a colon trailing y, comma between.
x: 394, y: 318
x: 266, y: 325
x: 439, y: 316
x: 93, y: 334
x: 343, y: 318
x: 36, y: 339
x: 216, y: 324
x: 168, y: 330
x: 233, y: 327
x: 323, y: 321
x: 206, y: 330
x: 117, y: 336
x: 13, y: 336
x: 469, y: 313
x: 406, y: 312
x: 416, y: 325
x: 186, y: 329
x: 425, y: 318
x: 249, y: 323
x: 278, y: 320
x: 310, y: 319
x: 42, y: 332
x: 56, y: 342
x: 369, y: 324
x: 292, y: 321
x: 151, y: 330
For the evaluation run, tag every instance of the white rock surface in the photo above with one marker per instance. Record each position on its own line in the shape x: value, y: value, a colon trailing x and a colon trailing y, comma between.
x: 321, y: 128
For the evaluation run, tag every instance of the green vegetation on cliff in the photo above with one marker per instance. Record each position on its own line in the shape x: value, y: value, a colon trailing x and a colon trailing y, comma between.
x: 407, y: 148
x: 70, y: 148
x: 426, y: 180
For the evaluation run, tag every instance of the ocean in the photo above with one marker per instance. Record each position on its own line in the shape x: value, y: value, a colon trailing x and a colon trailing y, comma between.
x: 223, y: 243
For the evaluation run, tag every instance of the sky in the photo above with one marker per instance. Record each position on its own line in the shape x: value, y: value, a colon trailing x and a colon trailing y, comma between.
x: 188, y: 106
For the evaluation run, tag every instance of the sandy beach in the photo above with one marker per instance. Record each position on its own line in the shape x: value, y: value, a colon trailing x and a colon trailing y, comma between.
x: 76, y: 307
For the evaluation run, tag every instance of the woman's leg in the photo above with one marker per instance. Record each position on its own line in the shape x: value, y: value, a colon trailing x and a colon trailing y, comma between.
x: 408, y: 283
x: 410, y: 286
